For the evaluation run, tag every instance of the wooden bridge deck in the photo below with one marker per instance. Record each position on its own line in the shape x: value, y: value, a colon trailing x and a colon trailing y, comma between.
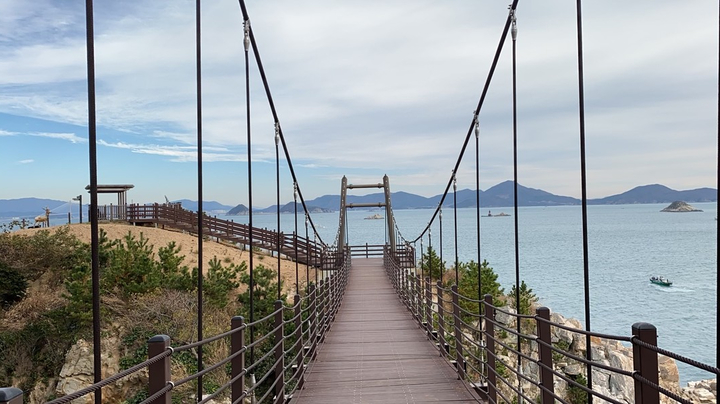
x: 375, y: 351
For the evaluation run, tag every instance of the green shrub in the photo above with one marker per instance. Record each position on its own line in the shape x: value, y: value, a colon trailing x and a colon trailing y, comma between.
x: 13, y: 286
x: 431, y: 264
x: 527, y: 298
x: 577, y: 395
x: 469, y: 285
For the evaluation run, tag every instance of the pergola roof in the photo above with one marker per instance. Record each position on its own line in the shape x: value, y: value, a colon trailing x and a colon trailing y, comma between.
x: 112, y: 189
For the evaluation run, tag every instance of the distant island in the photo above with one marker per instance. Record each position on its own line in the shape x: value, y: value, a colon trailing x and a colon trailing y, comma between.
x: 287, y: 208
x: 680, y: 206
x: 500, y: 195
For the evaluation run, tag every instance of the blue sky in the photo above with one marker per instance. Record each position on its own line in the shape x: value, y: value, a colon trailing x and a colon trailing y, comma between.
x: 362, y: 88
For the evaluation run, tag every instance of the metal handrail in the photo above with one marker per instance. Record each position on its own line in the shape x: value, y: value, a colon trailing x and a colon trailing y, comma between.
x: 426, y: 301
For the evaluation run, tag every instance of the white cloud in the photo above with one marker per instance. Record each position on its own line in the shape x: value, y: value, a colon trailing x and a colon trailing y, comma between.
x: 179, y: 153
x: 26, y: 161
x: 380, y: 85
x: 70, y: 137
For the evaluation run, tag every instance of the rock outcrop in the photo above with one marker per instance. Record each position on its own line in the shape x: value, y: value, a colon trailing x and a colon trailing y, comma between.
x: 607, y: 352
x: 77, y: 373
x: 680, y: 206
x: 703, y: 391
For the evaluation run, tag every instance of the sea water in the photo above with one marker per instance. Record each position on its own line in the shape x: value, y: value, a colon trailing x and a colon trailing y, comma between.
x: 626, y: 245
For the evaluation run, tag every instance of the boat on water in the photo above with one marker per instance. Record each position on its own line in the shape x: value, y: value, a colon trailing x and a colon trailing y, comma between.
x: 660, y: 280
x: 374, y: 217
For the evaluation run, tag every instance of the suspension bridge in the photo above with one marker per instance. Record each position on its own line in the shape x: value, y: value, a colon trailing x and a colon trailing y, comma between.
x: 376, y: 328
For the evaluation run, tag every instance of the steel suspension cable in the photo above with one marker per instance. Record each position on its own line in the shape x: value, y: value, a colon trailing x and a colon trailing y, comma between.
x: 261, y: 69
x: 429, y: 256
x: 477, y: 214
x: 297, y: 263
x: 307, y: 251
x: 198, y: 81
x: 480, y: 104
x: 246, y: 44
x: 442, y: 264
x: 515, y: 196
x: 583, y: 184
x: 457, y: 262
x: 277, y: 188
x: 94, y: 228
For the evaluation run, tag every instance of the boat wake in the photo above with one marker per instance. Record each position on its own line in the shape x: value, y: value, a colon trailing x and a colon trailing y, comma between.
x: 675, y: 289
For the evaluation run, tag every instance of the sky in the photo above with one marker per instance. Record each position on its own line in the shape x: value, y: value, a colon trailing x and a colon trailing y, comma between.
x: 362, y: 89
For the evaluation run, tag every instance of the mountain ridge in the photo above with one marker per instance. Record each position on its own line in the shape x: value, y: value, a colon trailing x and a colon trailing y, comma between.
x: 500, y: 195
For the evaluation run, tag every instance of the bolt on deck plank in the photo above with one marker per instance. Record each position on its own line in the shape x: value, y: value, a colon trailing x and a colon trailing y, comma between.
x: 375, y: 352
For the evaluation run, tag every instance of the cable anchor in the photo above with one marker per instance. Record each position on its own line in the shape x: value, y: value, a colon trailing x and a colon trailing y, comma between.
x: 246, y: 32
x: 513, y: 18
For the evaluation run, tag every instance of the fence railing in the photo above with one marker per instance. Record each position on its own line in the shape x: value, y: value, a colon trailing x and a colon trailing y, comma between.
x: 173, y: 215
x: 283, y: 342
x: 468, y: 333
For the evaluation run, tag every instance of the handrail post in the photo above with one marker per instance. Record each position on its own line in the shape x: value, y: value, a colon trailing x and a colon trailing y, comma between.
x: 459, y: 359
x: 417, y: 295
x: 237, y: 364
x: 312, y: 332
x: 279, y: 353
x: 11, y: 395
x: 403, y: 286
x: 159, y: 372
x: 299, y: 342
x: 545, y: 355
x: 428, y: 307
x: 441, y: 321
x: 490, y: 347
x: 645, y: 363
x: 321, y: 311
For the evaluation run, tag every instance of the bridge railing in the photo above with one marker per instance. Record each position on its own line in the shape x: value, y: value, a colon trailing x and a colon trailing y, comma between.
x: 367, y: 250
x: 481, y: 340
x: 283, y: 342
x: 175, y: 216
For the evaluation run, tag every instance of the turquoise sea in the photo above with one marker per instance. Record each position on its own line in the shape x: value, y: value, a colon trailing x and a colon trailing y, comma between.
x: 627, y: 245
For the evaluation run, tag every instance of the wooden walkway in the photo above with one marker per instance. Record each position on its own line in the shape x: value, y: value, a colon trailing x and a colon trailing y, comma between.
x: 375, y: 352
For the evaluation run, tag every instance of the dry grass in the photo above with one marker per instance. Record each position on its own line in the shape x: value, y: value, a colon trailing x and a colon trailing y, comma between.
x: 188, y: 244
x: 40, y: 298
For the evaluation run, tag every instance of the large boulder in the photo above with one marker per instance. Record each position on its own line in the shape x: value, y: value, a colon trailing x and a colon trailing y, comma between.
x: 77, y: 373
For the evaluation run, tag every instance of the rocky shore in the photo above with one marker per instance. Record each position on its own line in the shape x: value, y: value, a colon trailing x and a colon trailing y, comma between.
x: 607, y: 352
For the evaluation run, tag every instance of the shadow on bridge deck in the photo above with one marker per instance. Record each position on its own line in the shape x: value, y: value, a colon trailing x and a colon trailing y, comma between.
x: 376, y: 353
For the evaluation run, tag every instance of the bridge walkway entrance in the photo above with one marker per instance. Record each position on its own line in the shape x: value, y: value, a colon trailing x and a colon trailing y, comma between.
x: 375, y: 352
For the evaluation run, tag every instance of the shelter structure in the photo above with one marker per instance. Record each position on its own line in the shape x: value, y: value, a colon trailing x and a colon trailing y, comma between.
x: 113, y: 212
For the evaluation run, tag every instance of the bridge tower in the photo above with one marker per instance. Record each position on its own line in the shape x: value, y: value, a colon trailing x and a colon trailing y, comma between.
x: 388, y: 209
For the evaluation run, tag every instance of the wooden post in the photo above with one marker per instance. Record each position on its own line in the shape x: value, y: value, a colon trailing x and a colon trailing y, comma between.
x: 279, y: 354
x: 459, y: 358
x: 313, y: 321
x: 299, y: 351
x: 490, y: 346
x: 159, y: 372
x: 545, y: 356
x: 428, y: 306
x: 444, y: 347
x: 237, y: 365
x: 645, y: 362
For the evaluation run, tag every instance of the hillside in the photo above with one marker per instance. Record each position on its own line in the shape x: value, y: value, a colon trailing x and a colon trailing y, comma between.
x: 146, y: 289
x: 656, y: 193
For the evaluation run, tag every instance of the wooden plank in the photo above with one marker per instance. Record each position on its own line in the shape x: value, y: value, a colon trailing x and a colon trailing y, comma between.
x: 375, y: 352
